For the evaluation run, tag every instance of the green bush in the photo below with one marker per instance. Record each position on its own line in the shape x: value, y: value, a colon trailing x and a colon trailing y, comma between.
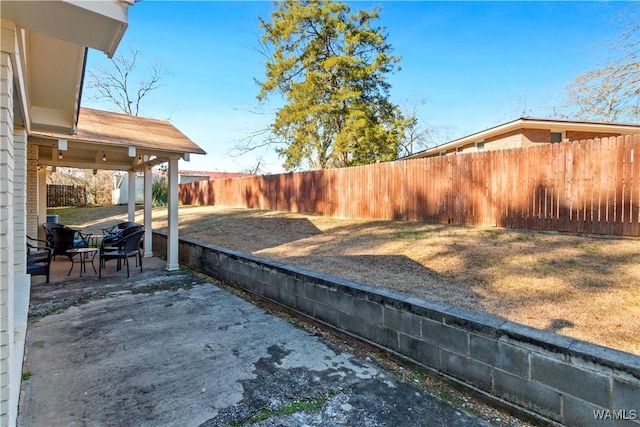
x: 159, y: 192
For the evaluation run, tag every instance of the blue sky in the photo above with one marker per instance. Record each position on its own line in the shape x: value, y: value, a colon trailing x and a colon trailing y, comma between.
x: 474, y: 64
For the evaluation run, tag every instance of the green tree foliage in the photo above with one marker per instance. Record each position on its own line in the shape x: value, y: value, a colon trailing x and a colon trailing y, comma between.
x: 612, y: 92
x: 159, y: 192
x: 330, y: 66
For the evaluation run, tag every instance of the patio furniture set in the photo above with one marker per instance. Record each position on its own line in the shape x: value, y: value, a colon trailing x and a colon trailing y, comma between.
x: 120, y: 242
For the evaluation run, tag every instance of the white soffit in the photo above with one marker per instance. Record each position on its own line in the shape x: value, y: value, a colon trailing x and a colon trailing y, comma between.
x: 96, y: 24
x: 52, y: 39
x: 55, y: 69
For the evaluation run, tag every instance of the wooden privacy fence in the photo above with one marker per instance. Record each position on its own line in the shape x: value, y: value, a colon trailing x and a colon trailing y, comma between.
x: 66, y: 195
x: 590, y: 186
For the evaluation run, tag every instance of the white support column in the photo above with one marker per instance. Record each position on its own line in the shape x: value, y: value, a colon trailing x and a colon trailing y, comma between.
x: 172, y: 237
x: 42, y: 199
x: 148, y: 206
x: 132, y: 197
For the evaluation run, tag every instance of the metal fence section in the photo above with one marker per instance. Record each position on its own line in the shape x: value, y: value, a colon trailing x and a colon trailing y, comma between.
x: 589, y: 186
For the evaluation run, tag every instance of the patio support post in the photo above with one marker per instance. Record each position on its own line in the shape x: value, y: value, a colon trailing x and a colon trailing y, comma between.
x: 148, y: 205
x: 132, y: 197
x: 42, y: 200
x: 172, y: 236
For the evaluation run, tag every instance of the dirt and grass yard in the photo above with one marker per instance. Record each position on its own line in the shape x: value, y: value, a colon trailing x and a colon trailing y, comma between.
x: 583, y: 287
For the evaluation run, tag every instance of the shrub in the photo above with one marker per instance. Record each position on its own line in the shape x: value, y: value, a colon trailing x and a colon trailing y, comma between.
x: 159, y: 192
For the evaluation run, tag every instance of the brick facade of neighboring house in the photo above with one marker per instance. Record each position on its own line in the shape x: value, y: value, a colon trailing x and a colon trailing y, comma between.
x: 528, y: 132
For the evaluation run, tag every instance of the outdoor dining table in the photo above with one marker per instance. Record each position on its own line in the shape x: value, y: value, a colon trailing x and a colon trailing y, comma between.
x: 83, y: 254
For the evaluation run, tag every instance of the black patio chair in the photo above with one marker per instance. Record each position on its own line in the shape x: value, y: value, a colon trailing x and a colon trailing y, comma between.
x: 48, y: 231
x: 114, y: 232
x: 65, y: 238
x: 38, y: 257
x: 109, y: 244
x: 125, y: 248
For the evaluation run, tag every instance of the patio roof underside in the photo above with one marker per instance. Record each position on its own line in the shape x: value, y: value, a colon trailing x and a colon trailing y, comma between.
x: 106, y: 140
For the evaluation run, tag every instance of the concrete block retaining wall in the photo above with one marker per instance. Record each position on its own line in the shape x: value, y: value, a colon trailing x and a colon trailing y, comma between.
x: 556, y: 378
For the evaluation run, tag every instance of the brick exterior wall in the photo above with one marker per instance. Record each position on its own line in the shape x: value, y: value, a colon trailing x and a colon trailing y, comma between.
x: 577, y: 136
x: 529, y: 137
x: 7, y: 362
x: 535, y: 136
x: 469, y: 148
x: 504, y: 141
x: 32, y: 191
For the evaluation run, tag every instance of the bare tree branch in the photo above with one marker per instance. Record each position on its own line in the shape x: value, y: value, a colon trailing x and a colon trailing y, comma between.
x: 255, y: 140
x: 612, y: 91
x: 115, y: 85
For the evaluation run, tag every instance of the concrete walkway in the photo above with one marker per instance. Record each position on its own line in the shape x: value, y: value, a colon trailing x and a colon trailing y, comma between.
x: 173, y: 349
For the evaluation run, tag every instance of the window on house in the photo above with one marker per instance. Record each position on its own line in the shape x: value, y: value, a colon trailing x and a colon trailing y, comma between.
x: 459, y: 150
x: 443, y: 153
x: 556, y: 137
x: 480, y: 146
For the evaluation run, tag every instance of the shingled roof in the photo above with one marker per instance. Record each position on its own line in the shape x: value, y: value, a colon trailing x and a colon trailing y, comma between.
x: 106, y: 140
x: 106, y: 127
x: 126, y: 130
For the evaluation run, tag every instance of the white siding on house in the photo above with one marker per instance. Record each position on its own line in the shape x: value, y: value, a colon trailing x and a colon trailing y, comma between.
x: 8, y: 364
x: 120, y: 194
x: 22, y: 281
x: 14, y: 282
x: 20, y: 200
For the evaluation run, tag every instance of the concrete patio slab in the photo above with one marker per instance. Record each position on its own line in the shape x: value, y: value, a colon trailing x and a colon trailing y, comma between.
x: 173, y: 349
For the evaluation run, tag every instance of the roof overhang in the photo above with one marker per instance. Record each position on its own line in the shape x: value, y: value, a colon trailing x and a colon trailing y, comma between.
x: 96, y: 155
x: 554, y: 125
x: 49, y: 54
x: 96, y: 24
x: 114, y: 141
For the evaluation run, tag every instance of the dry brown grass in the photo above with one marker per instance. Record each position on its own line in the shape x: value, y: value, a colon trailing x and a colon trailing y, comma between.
x: 583, y: 287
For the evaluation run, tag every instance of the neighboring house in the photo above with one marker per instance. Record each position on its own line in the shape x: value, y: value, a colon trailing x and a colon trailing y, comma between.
x: 120, y: 192
x: 528, y: 132
x: 194, y: 176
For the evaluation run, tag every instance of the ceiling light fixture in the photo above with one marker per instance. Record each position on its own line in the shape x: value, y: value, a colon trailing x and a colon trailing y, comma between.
x: 59, y: 155
x: 104, y: 156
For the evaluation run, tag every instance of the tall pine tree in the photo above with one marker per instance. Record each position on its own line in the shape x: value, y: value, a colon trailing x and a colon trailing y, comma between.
x: 330, y: 66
